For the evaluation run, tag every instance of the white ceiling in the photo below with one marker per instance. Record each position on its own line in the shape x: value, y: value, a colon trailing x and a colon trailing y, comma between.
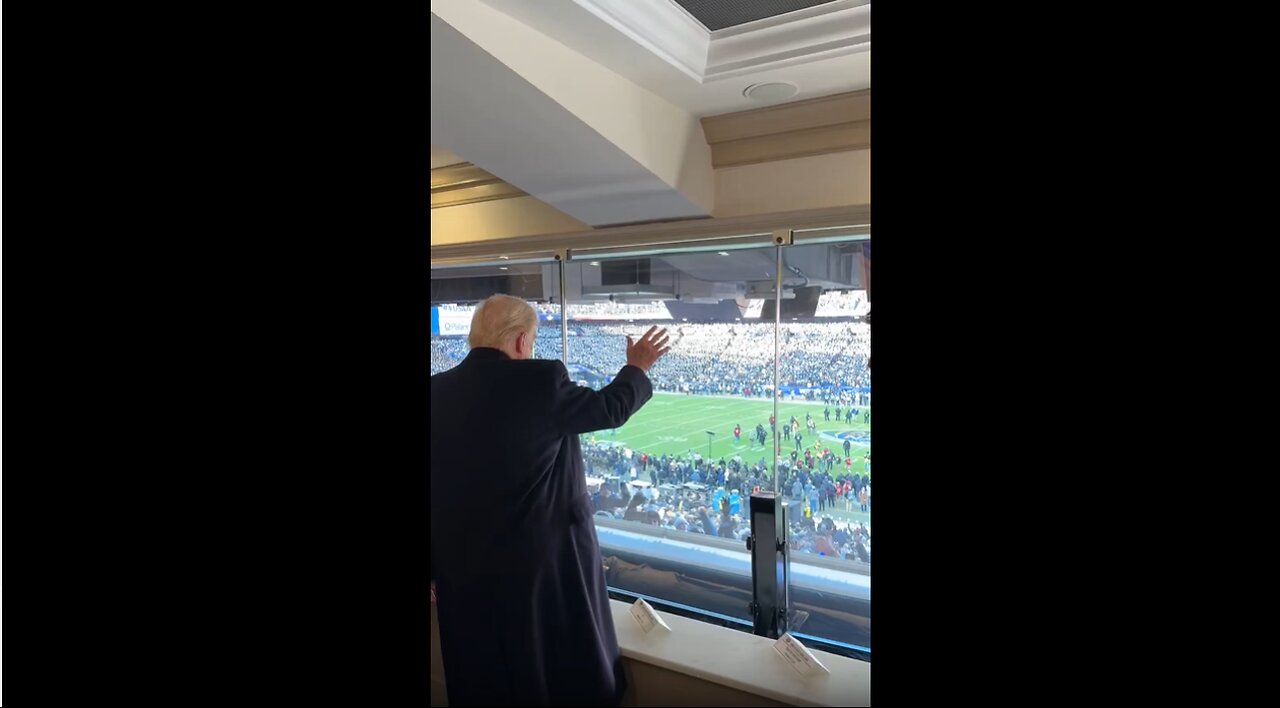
x: 504, y: 124
x: 591, y: 106
x: 581, y: 26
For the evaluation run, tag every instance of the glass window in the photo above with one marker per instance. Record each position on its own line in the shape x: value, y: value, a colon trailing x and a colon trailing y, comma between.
x: 670, y: 487
x: 825, y: 408
x: 455, y: 292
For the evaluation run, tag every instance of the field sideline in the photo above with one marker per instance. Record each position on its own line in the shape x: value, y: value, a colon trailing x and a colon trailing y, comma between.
x: 675, y: 424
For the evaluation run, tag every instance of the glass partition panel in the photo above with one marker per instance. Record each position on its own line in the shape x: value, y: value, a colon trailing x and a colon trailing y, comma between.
x: 455, y: 292
x: 670, y: 487
x: 825, y: 411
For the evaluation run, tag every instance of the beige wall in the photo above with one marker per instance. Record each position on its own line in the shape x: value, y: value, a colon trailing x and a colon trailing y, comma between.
x: 647, y: 685
x: 834, y: 179
x: 502, y: 218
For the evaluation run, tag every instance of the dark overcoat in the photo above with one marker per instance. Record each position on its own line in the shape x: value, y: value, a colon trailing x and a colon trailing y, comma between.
x: 523, y: 609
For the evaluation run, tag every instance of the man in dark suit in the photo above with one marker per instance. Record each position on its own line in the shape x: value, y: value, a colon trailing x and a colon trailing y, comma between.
x: 519, y: 584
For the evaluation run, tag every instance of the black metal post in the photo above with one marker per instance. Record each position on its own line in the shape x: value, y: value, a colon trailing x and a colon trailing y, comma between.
x: 770, y: 564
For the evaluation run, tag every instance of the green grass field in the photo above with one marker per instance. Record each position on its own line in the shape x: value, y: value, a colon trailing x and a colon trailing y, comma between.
x: 676, y: 424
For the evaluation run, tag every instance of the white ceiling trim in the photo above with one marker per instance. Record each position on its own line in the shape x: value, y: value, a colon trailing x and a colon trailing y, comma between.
x: 842, y: 28
x: 660, y: 26
x: 665, y: 29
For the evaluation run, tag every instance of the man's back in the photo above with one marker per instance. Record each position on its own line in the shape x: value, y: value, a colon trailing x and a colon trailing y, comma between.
x: 523, y: 607
x: 510, y: 468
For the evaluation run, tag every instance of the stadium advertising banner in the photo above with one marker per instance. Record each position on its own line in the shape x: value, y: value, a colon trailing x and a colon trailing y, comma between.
x: 448, y: 323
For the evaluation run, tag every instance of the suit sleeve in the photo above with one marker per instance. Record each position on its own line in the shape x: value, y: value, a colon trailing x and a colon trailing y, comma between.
x: 579, y: 409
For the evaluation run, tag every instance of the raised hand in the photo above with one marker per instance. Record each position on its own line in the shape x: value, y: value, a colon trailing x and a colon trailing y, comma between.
x: 648, y: 349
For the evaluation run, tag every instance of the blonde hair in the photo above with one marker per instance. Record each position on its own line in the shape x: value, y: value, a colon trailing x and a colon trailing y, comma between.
x: 499, y: 319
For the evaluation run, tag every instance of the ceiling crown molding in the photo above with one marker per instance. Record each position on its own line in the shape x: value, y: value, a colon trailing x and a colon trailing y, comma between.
x: 814, y: 126
x: 660, y: 26
x: 666, y: 29
x: 818, y: 32
x: 464, y: 183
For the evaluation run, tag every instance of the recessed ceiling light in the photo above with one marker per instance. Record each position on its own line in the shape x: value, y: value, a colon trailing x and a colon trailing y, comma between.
x: 595, y: 263
x: 771, y: 91
x: 504, y: 258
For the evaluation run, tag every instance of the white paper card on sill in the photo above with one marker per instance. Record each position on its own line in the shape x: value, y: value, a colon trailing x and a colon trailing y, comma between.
x: 799, y: 656
x: 646, y: 616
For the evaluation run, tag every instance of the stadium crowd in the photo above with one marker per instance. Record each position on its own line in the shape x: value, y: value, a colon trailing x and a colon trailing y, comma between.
x: 693, y: 495
x: 826, y: 360
x: 714, y: 358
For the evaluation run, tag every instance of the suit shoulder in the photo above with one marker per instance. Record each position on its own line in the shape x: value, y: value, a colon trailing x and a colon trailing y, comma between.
x: 442, y: 380
x: 445, y: 375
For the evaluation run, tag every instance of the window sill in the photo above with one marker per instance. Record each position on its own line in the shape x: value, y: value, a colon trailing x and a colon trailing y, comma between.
x: 741, y: 661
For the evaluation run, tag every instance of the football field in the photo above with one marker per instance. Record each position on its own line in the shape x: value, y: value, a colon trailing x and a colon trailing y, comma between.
x: 677, y: 424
